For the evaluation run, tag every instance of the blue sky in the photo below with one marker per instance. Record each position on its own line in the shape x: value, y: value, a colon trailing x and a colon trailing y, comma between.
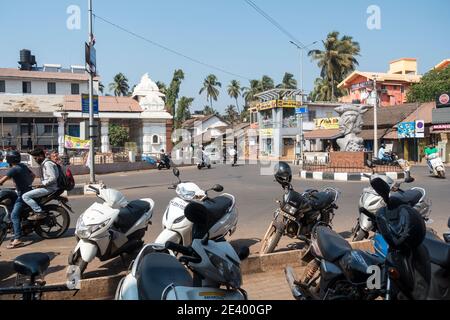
x: 225, y: 33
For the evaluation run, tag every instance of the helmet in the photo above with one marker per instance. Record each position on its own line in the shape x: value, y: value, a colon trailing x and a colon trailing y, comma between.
x: 13, y: 157
x: 403, y: 228
x: 283, y: 173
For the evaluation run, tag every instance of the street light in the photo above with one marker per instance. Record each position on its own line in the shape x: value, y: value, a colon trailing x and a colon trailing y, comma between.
x: 300, y: 117
x: 375, y: 116
x: 65, y: 157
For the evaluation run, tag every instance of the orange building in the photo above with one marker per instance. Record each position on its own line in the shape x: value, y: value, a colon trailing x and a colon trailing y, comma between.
x: 392, y: 86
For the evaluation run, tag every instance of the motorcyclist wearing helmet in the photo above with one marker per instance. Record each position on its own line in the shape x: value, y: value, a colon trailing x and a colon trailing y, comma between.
x: 283, y: 174
x: 23, y: 178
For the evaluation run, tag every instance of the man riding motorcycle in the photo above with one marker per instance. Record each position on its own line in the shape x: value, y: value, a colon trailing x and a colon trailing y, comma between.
x: 429, y: 150
x: 23, y: 179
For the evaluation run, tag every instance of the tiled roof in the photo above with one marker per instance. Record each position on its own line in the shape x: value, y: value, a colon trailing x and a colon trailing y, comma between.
x: 381, y: 76
x: 25, y: 74
x: 389, y: 116
x: 106, y: 104
x: 322, y: 134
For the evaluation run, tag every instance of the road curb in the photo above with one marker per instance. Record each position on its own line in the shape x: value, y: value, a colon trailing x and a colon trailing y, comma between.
x: 104, y: 288
x: 346, y: 176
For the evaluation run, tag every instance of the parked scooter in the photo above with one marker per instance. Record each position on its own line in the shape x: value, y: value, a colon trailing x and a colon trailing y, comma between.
x: 54, y: 225
x: 298, y: 213
x: 437, y: 165
x: 158, y: 275
x: 110, y: 229
x: 178, y: 229
x: 371, y: 201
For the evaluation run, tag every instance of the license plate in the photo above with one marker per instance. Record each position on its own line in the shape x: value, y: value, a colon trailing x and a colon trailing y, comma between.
x: 288, y: 216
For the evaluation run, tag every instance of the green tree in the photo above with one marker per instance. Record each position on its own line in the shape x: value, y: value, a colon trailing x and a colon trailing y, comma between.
x: 432, y: 84
x: 336, y: 60
x: 207, y: 111
x: 249, y: 92
x: 210, y: 85
x: 234, y: 91
x: 183, y: 112
x: 162, y: 87
x: 322, y: 90
x: 173, y: 91
x: 118, y: 135
x: 119, y: 86
x: 288, y: 82
x: 266, y: 83
x: 231, y: 115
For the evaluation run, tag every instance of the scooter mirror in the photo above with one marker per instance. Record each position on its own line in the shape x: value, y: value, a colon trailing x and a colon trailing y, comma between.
x: 176, y: 172
x: 217, y: 188
x: 382, y: 188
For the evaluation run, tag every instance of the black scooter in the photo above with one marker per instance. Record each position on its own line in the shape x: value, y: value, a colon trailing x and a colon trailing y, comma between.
x: 164, y: 163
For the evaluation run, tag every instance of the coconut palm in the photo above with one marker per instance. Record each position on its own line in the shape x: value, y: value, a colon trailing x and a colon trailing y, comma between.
x: 207, y: 111
x: 249, y: 92
x: 288, y: 82
x: 119, y: 86
x: 234, y: 91
x: 337, y: 59
x: 266, y: 83
x: 322, y: 90
x: 231, y: 114
x: 210, y: 85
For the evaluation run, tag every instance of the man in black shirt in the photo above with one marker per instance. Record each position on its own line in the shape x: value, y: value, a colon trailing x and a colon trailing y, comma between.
x: 23, y: 179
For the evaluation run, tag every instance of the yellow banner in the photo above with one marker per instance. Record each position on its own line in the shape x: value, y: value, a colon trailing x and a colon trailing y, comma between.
x: 267, y: 105
x: 278, y: 104
x: 266, y: 132
x: 76, y: 143
x: 327, y: 123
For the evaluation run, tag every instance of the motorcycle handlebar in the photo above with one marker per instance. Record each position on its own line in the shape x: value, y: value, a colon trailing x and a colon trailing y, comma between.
x: 97, y: 191
x: 178, y: 248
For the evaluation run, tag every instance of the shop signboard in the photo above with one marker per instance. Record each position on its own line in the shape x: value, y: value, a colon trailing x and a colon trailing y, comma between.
x: 406, y: 130
x: 76, y: 143
x: 266, y: 132
x: 443, y: 100
x: 327, y: 123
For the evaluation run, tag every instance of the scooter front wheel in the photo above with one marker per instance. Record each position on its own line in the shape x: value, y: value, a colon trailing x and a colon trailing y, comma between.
x: 76, y: 259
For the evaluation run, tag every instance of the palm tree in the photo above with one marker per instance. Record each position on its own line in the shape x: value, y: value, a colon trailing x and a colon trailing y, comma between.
x: 119, y: 85
x: 183, y: 112
x: 288, y: 82
x: 266, y: 83
x: 231, y: 114
x: 234, y: 91
x: 249, y: 92
x: 322, y: 90
x: 337, y: 59
x: 162, y: 87
x: 207, y: 111
x: 210, y: 87
x: 173, y: 90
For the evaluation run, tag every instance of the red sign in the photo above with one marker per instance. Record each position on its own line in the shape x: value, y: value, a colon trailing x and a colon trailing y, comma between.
x: 443, y: 100
x: 441, y: 127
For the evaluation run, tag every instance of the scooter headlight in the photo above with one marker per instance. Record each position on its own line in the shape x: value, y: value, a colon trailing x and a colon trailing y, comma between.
x: 83, y: 231
x: 230, y: 272
x: 185, y: 194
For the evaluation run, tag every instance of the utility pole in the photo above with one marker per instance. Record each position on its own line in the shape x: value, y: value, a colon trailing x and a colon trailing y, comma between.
x: 375, y: 117
x: 91, y: 102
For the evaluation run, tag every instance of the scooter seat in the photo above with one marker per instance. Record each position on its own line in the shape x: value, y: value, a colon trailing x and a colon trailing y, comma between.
x: 156, y: 272
x: 439, y: 251
x: 206, y: 214
x: 321, y: 200
x: 408, y: 197
x: 31, y: 264
x: 331, y: 245
x: 129, y: 215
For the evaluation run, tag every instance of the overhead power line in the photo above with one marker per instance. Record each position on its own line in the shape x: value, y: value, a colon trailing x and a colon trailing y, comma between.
x: 274, y: 22
x: 169, y: 49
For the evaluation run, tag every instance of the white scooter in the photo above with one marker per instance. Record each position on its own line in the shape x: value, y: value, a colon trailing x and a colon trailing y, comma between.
x: 158, y: 275
x: 110, y: 229
x: 371, y: 201
x: 205, y: 162
x: 437, y: 165
x: 178, y: 229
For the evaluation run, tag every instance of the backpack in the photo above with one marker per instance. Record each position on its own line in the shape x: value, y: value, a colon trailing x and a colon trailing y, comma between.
x: 65, y: 179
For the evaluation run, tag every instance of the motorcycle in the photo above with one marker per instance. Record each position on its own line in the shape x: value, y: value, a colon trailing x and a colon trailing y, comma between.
x: 371, y: 201
x: 437, y: 165
x: 54, y: 225
x: 344, y: 273
x: 164, y: 162
x: 178, y: 229
x: 156, y: 274
x: 110, y: 229
x: 204, y: 161
x: 298, y: 214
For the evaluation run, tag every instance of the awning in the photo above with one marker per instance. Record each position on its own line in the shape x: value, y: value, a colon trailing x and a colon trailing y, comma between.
x: 322, y: 134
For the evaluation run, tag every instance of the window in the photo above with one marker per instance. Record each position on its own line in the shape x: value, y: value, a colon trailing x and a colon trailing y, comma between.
x: 2, y: 86
x: 311, y: 115
x: 155, y: 139
x: 51, y: 88
x: 26, y: 87
x: 49, y: 129
x: 75, y: 88
x: 402, y: 89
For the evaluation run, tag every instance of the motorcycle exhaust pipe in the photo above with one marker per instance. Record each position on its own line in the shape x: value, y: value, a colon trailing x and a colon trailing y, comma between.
x: 290, y: 277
